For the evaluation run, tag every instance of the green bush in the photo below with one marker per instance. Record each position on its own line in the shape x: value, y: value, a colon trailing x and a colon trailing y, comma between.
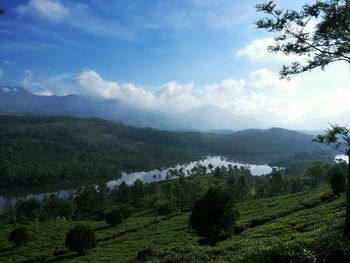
x: 19, y: 236
x: 214, y: 215
x: 125, y: 211
x: 148, y: 253
x: 114, y: 217
x: 337, y: 180
x: 80, y: 238
x: 165, y: 209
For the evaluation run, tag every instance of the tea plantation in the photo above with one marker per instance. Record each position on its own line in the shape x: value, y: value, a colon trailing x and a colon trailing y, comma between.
x: 302, y: 227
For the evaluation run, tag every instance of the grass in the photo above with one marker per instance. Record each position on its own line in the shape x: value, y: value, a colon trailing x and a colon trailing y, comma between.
x: 308, y: 222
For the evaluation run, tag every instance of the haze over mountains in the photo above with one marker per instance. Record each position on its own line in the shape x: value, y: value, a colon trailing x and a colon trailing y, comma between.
x: 17, y: 100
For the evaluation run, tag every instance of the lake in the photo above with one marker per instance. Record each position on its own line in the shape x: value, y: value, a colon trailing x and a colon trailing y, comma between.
x: 65, y: 189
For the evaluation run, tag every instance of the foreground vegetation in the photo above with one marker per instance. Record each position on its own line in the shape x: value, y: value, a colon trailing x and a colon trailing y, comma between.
x: 303, y: 227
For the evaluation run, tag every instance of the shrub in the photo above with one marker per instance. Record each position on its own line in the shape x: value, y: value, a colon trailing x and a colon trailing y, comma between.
x: 237, y: 229
x: 337, y: 180
x: 125, y: 211
x: 165, y: 209
x: 19, y: 236
x: 214, y: 215
x: 80, y: 238
x: 114, y: 217
x: 148, y: 253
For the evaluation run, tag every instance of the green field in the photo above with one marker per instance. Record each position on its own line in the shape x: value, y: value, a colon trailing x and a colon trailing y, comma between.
x: 307, y: 224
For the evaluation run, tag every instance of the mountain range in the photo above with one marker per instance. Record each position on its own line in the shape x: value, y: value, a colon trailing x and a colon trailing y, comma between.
x: 17, y: 100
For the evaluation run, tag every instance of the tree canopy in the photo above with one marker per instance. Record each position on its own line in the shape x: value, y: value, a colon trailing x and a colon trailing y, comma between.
x: 321, y: 31
x: 214, y: 215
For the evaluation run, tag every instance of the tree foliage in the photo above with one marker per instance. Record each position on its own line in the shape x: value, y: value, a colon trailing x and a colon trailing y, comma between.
x: 328, y: 42
x: 114, y: 217
x: 19, y: 236
x: 214, y: 215
x: 80, y: 238
x: 337, y: 180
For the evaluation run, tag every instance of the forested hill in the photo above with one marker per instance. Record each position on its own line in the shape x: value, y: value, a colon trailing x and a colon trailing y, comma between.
x: 48, y: 149
x: 270, y: 141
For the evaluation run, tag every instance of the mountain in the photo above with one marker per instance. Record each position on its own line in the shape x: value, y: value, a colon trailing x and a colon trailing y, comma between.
x: 16, y: 100
x: 209, y: 117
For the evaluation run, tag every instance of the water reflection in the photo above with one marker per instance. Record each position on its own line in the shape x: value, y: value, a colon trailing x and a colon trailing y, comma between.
x: 160, y: 175
x: 147, y: 177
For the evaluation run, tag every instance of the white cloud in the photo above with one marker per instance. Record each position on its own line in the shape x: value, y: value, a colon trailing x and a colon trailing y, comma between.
x: 44, y: 93
x: 28, y: 82
x: 50, y: 9
x: 261, y: 95
x: 46, y: 86
x: 7, y: 62
x: 95, y: 85
x: 174, y: 96
x: 258, y: 50
x: 264, y: 78
x: 78, y: 15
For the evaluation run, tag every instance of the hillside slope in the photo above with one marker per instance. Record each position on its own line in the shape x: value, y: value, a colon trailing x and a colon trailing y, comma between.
x: 296, y: 227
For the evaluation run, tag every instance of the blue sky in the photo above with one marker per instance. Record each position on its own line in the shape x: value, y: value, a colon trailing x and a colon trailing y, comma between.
x: 156, y: 53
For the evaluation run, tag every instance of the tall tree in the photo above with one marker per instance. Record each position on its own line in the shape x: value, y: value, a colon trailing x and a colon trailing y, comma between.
x: 214, y: 215
x: 339, y: 138
x: 327, y: 43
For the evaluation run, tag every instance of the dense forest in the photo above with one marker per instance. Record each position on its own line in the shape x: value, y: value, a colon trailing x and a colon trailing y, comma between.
x: 48, y: 149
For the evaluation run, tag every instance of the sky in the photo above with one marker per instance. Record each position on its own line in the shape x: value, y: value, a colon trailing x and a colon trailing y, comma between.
x: 165, y: 55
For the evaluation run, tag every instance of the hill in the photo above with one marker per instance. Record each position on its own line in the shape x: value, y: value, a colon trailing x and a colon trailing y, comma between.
x: 48, y: 149
x: 293, y: 228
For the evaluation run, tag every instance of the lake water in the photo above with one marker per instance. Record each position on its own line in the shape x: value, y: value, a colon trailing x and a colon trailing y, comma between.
x: 64, y: 190
x: 159, y: 175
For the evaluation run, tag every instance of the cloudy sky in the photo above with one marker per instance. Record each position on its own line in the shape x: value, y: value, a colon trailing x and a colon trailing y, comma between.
x: 165, y: 55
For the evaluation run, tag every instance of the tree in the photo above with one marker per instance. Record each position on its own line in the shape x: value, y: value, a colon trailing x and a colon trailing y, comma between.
x: 339, y: 138
x: 317, y: 173
x: 19, y: 236
x: 337, y: 179
x: 214, y: 215
x: 327, y: 43
x: 262, y: 187
x: 242, y: 188
x: 114, y: 217
x: 2, y: 11
x: 27, y: 209
x: 137, y: 193
x: 88, y: 202
x: 80, y: 238
x: 57, y: 207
